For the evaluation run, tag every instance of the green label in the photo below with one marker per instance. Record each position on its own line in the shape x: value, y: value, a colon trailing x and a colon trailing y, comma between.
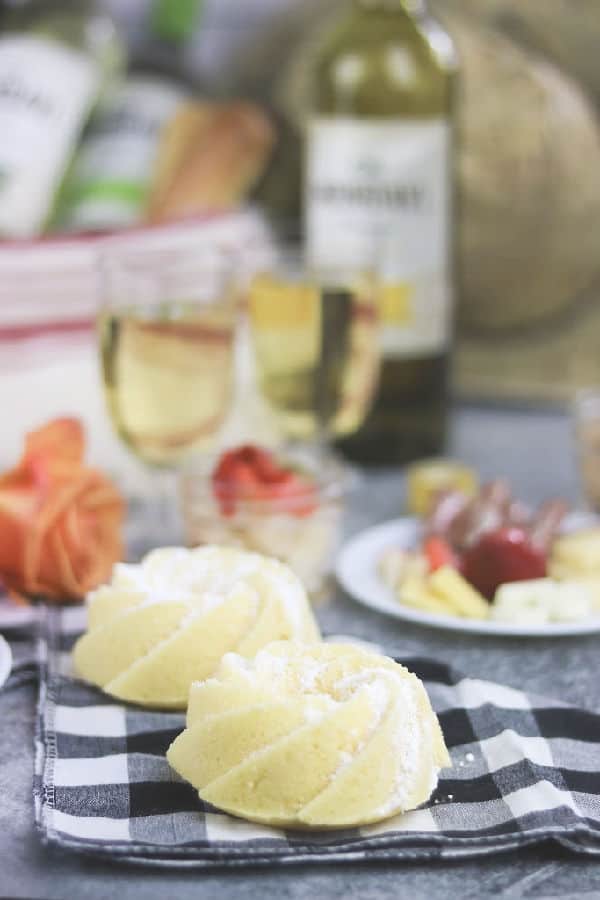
x: 174, y: 20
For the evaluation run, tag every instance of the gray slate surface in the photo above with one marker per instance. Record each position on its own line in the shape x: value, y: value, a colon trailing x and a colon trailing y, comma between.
x: 535, y: 452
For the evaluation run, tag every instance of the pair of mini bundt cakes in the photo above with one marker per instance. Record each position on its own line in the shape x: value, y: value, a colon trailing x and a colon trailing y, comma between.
x: 281, y: 728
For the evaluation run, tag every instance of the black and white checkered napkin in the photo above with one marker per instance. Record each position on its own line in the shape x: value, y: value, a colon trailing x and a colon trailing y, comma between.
x: 525, y: 769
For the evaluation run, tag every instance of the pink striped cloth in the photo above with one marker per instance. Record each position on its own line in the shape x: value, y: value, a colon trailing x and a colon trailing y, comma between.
x: 49, y: 289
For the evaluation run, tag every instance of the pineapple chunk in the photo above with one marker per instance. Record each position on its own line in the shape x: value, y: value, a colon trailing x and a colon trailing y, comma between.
x: 413, y: 591
x: 542, y: 600
x: 449, y: 587
x: 525, y: 602
x: 577, y: 553
x: 397, y: 565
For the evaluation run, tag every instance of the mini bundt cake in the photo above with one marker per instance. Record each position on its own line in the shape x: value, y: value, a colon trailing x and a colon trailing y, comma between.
x: 311, y: 736
x: 162, y: 624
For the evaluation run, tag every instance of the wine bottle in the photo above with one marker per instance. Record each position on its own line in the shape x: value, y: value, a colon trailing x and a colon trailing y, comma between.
x: 56, y: 59
x: 377, y: 191
x: 108, y: 184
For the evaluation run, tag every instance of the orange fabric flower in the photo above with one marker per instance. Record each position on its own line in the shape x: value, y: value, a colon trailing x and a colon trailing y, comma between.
x: 60, y: 521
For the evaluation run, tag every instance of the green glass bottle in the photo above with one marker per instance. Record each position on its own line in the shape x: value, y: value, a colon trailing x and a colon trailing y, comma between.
x: 108, y: 184
x: 377, y: 192
x: 56, y: 60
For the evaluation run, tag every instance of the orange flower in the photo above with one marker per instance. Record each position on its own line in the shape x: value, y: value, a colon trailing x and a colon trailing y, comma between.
x: 60, y: 521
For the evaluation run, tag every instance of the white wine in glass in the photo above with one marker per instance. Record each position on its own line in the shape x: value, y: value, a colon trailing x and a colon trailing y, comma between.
x: 167, y: 332
x: 316, y: 352
x: 168, y: 378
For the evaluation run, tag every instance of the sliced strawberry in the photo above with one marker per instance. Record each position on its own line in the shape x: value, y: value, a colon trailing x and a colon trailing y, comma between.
x: 223, y: 473
x: 222, y: 481
x: 267, y: 468
x: 252, y: 473
x: 245, y: 453
x: 226, y: 501
x: 244, y: 480
x: 500, y: 556
x: 242, y: 484
x: 294, y: 494
x: 438, y: 553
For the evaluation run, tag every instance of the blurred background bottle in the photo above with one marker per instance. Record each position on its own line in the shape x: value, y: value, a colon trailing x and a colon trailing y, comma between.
x: 378, y: 189
x: 56, y: 60
x: 109, y: 181
x: 108, y: 184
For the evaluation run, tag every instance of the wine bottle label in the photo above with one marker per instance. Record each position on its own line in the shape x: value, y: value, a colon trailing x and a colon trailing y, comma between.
x: 110, y: 179
x: 377, y: 196
x: 46, y: 92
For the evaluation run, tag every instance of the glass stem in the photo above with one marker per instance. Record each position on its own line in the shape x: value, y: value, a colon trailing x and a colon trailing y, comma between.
x: 166, y: 526
x: 154, y: 519
x: 322, y: 406
x: 321, y: 440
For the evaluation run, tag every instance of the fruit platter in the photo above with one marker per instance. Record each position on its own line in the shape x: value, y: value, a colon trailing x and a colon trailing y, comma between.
x: 481, y: 561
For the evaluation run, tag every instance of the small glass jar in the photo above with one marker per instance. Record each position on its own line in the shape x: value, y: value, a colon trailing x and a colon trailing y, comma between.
x: 303, y: 531
x: 586, y: 420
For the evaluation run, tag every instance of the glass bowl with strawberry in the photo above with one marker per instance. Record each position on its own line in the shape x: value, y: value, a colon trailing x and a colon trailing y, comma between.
x: 283, y: 505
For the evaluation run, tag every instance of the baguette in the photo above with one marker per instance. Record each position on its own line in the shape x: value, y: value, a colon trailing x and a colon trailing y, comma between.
x: 209, y: 158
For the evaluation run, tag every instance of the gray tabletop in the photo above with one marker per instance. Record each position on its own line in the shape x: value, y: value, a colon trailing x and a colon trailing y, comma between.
x: 534, y: 451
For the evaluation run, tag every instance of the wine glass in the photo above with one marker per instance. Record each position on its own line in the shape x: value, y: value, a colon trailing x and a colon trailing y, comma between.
x: 167, y: 330
x: 316, y: 349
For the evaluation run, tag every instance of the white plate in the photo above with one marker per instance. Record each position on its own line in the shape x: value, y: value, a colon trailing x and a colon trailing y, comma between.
x: 356, y: 571
x: 5, y: 660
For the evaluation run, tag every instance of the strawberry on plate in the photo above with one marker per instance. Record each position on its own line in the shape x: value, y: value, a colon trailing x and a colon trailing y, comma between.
x: 502, y: 556
x: 438, y: 553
